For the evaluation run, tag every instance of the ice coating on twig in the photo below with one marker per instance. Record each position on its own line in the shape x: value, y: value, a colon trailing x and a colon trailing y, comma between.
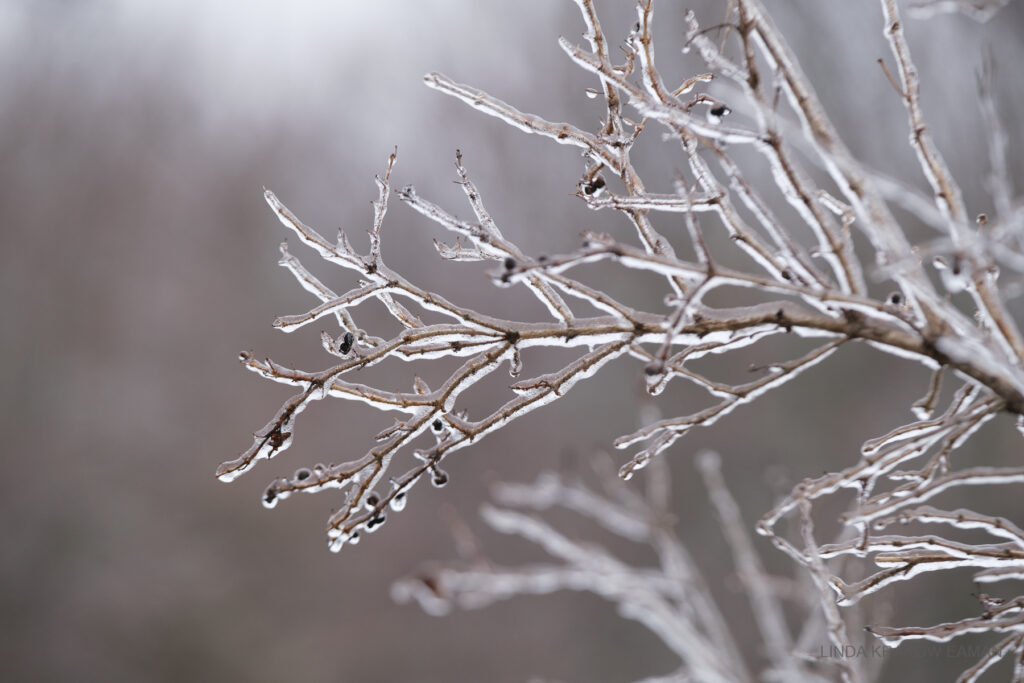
x: 805, y: 275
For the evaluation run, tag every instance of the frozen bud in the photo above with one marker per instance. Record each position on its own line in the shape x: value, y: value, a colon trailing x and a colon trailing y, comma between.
x: 439, y: 478
x: 593, y: 187
x: 302, y: 474
x: 982, y: 219
x: 372, y: 500
x: 510, y: 263
x: 346, y: 343
x: 375, y: 523
x: 654, y: 368
x: 656, y: 377
x: 270, y: 496
x: 277, y: 438
x: 717, y: 113
x: 398, y: 501
x: 896, y: 299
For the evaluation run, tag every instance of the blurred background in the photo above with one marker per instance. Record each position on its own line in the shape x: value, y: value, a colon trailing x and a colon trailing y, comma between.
x: 137, y: 258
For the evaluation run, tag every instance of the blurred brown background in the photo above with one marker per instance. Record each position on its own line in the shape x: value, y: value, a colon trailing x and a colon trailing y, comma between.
x: 138, y: 258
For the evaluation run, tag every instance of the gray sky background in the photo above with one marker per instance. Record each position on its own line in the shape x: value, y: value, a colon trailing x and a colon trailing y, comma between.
x: 137, y: 258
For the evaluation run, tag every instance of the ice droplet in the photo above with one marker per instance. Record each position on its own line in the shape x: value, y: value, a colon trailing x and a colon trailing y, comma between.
x: 439, y: 478
x: 270, y: 496
x: 921, y: 412
x: 375, y: 523
x: 515, y: 364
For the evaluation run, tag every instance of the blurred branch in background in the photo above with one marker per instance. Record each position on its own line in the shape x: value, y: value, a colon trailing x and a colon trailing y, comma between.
x: 672, y: 599
x: 979, y: 10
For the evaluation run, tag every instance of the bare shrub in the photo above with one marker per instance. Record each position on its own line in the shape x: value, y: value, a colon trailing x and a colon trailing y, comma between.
x: 941, y: 304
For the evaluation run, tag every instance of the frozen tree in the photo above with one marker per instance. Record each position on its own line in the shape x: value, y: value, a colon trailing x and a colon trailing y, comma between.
x: 944, y: 303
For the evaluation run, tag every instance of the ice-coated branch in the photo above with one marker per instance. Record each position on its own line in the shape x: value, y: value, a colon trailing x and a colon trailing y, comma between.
x: 948, y: 196
x: 746, y: 257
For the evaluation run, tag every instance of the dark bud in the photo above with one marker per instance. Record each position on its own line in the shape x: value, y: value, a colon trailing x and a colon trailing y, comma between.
x: 510, y: 263
x: 372, y: 499
x: 346, y: 343
x: 594, y: 185
x: 277, y: 438
x: 270, y: 495
x: 719, y: 111
x: 652, y: 369
x: 440, y: 478
x: 542, y: 258
x: 438, y: 425
x: 896, y: 299
x: 303, y: 474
